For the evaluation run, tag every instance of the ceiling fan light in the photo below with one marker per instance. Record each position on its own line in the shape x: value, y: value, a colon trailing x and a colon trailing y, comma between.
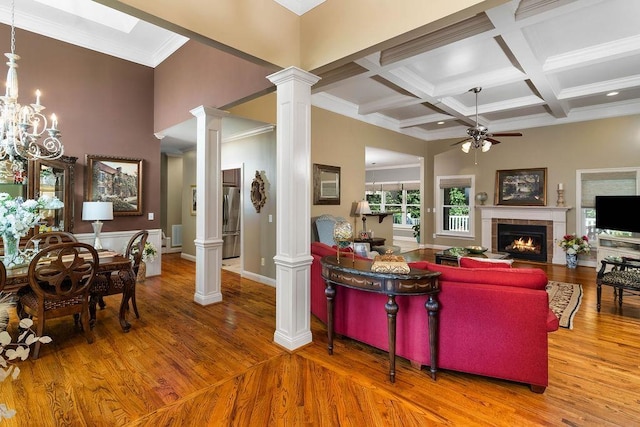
x: 486, y: 146
x: 466, y: 146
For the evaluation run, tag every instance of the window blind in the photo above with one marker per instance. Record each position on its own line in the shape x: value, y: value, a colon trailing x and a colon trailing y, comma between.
x: 611, y: 183
x: 455, y: 182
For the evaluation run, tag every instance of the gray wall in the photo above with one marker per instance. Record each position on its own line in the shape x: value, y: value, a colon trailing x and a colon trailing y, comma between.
x: 254, y: 153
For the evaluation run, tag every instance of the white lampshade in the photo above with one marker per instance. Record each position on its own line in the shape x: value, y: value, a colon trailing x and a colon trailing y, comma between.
x: 486, y: 146
x: 97, y: 211
x: 466, y: 147
x: 363, y: 208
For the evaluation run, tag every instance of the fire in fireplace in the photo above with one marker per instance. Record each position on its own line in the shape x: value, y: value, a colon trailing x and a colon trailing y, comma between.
x: 526, y: 242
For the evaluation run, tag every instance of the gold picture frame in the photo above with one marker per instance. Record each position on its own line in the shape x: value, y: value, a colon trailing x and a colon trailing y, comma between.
x: 117, y: 180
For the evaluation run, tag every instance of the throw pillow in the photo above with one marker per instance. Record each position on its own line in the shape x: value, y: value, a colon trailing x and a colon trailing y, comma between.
x: 470, y: 262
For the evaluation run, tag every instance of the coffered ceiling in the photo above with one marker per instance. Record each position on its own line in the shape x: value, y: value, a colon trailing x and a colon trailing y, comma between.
x: 539, y: 63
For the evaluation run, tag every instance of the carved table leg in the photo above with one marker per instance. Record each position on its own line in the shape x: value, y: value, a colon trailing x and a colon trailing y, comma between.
x: 330, y: 292
x: 432, y: 307
x: 392, y: 310
x: 126, y: 276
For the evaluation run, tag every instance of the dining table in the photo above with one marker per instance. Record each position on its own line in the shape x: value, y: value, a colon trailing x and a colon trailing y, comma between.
x: 109, y: 262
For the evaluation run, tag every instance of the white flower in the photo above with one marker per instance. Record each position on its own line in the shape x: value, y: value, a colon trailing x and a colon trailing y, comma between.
x: 18, y: 216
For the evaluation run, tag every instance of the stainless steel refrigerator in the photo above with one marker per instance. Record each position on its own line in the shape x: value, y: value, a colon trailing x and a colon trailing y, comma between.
x: 230, y: 222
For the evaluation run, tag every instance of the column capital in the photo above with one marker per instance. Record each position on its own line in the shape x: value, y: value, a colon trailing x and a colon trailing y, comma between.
x: 295, y: 74
x: 208, y: 111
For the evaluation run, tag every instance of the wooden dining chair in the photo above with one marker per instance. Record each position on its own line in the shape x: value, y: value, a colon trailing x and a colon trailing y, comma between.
x: 60, y: 277
x: 123, y: 282
x: 43, y: 240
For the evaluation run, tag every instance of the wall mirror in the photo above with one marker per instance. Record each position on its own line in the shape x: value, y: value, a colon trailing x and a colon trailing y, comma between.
x: 326, y: 185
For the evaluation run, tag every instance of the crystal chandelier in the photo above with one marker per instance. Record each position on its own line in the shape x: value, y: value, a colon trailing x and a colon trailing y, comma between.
x: 22, y: 126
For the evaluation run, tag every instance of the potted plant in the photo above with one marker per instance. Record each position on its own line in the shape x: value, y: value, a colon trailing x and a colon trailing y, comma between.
x: 416, y: 232
x: 574, y: 245
x: 149, y: 253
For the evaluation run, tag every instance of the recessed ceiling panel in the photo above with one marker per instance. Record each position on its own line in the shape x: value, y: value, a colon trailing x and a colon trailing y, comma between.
x: 584, y: 27
x: 619, y: 68
x: 460, y: 59
x: 602, y: 100
x: 409, y: 112
x: 362, y: 91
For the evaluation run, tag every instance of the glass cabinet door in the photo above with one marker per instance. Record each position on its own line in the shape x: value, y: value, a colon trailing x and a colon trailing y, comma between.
x: 13, y: 178
x: 51, y: 184
x: 54, y: 178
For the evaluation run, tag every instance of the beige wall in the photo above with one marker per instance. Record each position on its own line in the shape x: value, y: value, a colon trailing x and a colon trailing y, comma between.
x: 562, y: 149
x: 263, y: 29
x: 188, y: 220
x: 172, y: 203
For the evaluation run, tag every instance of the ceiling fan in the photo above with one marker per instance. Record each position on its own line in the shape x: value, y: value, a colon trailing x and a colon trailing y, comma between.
x: 479, y: 136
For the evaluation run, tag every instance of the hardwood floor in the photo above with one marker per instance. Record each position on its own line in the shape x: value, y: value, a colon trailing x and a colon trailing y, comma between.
x: 183, y: 364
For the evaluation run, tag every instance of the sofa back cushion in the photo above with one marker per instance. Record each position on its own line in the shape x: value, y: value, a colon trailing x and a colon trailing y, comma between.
x: 531, y: 278
x: 472, y: 262
x: 322, y: 250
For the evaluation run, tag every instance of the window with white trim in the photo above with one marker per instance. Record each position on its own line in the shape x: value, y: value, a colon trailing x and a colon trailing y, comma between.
x: 454, y: 213
x: 602, y: 182
x: 401, y: 198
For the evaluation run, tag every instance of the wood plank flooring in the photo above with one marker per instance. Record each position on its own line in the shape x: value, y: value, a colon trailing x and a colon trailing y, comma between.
x: 187, y: 365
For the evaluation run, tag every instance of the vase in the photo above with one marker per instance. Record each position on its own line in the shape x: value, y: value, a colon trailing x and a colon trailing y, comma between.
x: 142, y: 272
x: 572, y: 260
x: 12, y: 257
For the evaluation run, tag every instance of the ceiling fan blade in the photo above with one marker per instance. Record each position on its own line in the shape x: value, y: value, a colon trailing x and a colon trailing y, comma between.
x: 506, y: 134
x: 493, y: 141
x: 460, y: 142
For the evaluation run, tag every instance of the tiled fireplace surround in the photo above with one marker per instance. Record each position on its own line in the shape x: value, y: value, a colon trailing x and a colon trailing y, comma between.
x: 554, y: 218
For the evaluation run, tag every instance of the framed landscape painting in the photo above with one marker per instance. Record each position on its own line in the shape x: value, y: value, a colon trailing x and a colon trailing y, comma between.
x: 521, y: 187
x: 117, y: 180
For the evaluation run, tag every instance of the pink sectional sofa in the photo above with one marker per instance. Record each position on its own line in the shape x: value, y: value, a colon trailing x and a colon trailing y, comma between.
x: 493, y: 321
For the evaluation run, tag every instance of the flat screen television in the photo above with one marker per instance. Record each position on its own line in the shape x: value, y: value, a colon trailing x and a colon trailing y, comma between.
x: 619, y: 213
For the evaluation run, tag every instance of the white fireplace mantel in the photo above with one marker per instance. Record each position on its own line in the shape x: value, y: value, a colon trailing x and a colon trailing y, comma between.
x: 556, y: 214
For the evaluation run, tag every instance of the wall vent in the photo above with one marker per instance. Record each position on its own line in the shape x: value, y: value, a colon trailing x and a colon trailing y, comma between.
x: 176, y: 235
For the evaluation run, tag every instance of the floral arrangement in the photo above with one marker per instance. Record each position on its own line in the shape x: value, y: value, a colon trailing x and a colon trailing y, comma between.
x: 573, y: 244
x: 10, y: 351
x: 17, y: 216
x: 149, y: 252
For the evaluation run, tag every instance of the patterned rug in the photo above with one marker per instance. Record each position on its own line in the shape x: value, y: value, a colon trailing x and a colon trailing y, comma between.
x: 564, y: 301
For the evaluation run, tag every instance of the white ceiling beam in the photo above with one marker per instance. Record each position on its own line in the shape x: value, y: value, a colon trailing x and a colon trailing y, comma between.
x: 522, y: 52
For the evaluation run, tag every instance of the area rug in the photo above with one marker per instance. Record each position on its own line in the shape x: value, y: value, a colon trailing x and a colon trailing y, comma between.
x: 564, y: 301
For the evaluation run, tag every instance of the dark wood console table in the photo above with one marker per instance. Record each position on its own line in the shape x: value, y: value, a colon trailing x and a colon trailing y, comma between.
x: 357, y: 274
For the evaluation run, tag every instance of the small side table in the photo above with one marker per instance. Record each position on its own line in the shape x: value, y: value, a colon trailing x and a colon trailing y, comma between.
x: 376, y: 241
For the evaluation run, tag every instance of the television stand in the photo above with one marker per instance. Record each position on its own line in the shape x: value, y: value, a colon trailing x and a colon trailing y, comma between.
x: 617, y: 247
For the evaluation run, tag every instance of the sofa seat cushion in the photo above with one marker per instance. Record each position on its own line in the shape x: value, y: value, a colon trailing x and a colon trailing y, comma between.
x: 473, y: 262
x: 531, y: 278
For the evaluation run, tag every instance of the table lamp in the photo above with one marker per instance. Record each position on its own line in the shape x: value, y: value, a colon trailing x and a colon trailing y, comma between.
x: 97, y: 211
x: 363, y: 208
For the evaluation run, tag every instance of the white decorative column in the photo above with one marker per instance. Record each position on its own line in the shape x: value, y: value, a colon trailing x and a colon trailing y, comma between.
x: 293, y: 252
x: 208, y: 240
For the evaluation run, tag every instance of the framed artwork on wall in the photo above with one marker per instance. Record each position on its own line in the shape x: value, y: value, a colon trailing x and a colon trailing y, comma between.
x: 194, y: 200
x: 521, y: 187
x: 326, y: 185
x: 117, y: 180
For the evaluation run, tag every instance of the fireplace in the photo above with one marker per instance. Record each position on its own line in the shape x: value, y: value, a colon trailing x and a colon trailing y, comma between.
x: 553, y: 217
x: 523, y: 241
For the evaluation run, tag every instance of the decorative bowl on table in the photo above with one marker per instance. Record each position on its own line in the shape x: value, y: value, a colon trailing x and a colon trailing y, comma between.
x: 476, y: 249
